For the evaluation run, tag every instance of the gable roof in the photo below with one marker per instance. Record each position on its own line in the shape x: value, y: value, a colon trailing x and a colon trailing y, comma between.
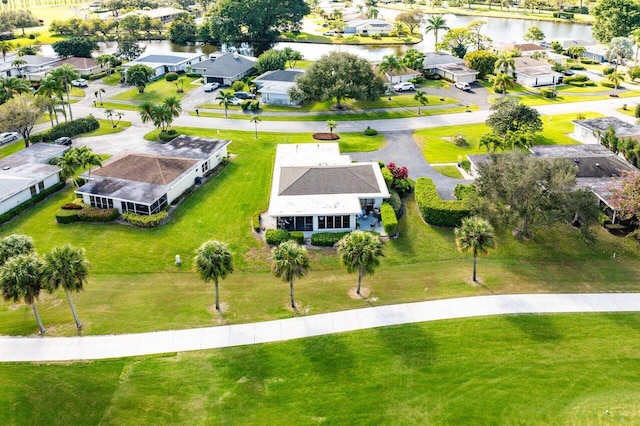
x: 288, y: 76
x: 225, y: 65
x: 532, y: 67
x: 81, y: 63
x: 436, y: 58
x: 371, y: 22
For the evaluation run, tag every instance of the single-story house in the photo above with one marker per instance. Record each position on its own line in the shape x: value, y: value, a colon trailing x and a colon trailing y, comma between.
x: 163, y: 14
x: 524, y: 49
x: 565, y: 43
x: 315, y: 188
x: 85, y: 66
x: 533, y: 73
x: 596, y: 52
x: 172, y: 62
x: 590, y: 130
x: 34, y: 64
x: 27, y: 173
x: 396, y: 77
x: 449, y: 67
x: 274, y: 86
x: 368, y: 27
x: 225, y: 67
x: 147, y: 182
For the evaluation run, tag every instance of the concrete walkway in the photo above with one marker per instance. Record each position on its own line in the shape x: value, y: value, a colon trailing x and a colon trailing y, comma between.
x: 29, y: 349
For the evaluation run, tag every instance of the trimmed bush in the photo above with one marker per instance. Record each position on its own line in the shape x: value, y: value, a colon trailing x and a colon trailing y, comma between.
x: 297, y: 236
x: 608, y: 84
x: 395, y: 202
x: 193, y: 74
x: 607, y: 70
x: 276, y: 236
x: 237, y: 86
x: 8, y: 215
x: 636, y: 112
x: 548, y: 93
x: 168, y: 135
x: 389, y: 219
x: 145, y: 221
x: 436, y: 211
x: 91, y: 214
x: 96, y: 76
x: 463, y: 191
x: 70, y: 128
x: 370, y: 132
x: 570, y: 79
x: 255, y: 222
x: 171, y: 76
x: 326, y: 239
x: 67, y: 216
x: 71, y: 206
x: 577, y: 67
x: 255, y: 105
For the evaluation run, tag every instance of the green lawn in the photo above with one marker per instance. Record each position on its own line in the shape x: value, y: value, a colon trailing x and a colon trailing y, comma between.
x: 116, y: 106
x: 450, y: 171
x: 581, y: 369
x: 106, y: 128
x: 112, y: 80
x: 156, y: 91
x: 438, y: 148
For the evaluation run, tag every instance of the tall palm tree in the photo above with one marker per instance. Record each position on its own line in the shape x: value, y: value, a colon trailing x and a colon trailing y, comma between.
x: 112, y: 115
x: 476, y: 236
x: 255, y: 119
x: 14, y: 245
x: 225, y: 99
x: 66, y: 267
x: 421, y: 97
x: 6, y: 47
x: 11, y: 86
x: 505, y: 62
x: 19, y: 64
x: 88, y: 158
x: 290, y: 261
x: 434, y: 24
x: 159, y: 115
x: 372, y: 13
x: 21, y: 280
x: 68, y: 164
x: 98, y: 94
x: 65, y: 74
x: 360, y: 251
x: 213, y: 261
x: 52, y: 89
x: 174, y: 107
x: 501, y: 82
x: 616, y: 78
x: 390, y: 64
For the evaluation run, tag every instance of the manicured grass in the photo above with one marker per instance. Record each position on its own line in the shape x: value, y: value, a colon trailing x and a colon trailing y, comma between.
x: 156, y: 91
x: 106, y: 128
x: 115, y: 105
x: 450, y: 171
x: 438, y: 148
x: 11, y: 148
x: 531, y: 369
x: 112, y: 80
x: 77, y: 92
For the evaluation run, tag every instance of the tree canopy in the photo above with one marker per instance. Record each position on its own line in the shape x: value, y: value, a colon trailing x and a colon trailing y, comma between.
x: 411, y: 18
x: 255, y: 20
x: 615, y: 18
x: 483, y: 61
x: 271, y: 60
x: 626, y: 196
x: 457, y: 41
x: 511, y: 115
x: 81, y: 47
x: 183, y: 29
x: 534, y: 34
x: 338, y: 75
x: 20, y: 114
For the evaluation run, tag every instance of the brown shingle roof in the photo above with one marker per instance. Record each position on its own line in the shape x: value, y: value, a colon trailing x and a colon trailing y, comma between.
x: 146, y: 168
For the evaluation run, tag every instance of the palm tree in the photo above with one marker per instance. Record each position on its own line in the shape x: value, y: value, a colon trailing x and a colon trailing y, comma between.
x: 66, y: 267
x: 11, y: 86
x: 21, y: 280
x: 360, y: 251
x: 213, y: 261
x: 421, y: 97
x: 505, y: 61
x: 14, y: 245
x: 68, y: 164
x: 112, y: 115
x: 255, y: 119
x: 6, y: 47
x: 172, y: 104
x: 50, y: 88
x: 226, y: 99
x: 389, y: 64
x: 19, y: 64
x: 434, y: 24
x: 399, y: 29
x: 98, y: 94
x: 475, y: 235
x: 139, y: 75
x: 501, y: 81
x: 616, y: 78
x: 65, y: 74
x: 372, y: 13
x: 635, y: 36
x: 88, y: 158
x: 332, y: 124
x: 159, y: 115
x: 290, y: 261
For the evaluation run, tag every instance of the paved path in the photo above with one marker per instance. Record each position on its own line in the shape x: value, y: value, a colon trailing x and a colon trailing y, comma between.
x: 29, y: 349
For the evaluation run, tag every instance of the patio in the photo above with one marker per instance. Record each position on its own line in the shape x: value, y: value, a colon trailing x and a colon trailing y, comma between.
x: 371, y: 222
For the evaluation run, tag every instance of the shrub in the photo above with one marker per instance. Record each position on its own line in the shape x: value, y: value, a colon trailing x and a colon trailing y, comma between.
x: 67, y: 216
x: 460, y: 140
x: 193, y: 74
x: 255, y: 105
x: 276, y: 236
x: 70, y: 128
x: 10, y: 214
x: 436, y: 211
x: 575, y: 78
x: 466, y: 165
x: 370, y: 132
x: 255, y: 222
x: 463, y: 191
x: 171, y: 76
x: 637, y: 111
x: 145, y: 221
x: 246, y: 106
x: 395, y: 202
x: 91, y: 214
x: 297, y: 236
x: 548, y: 93
x: 588, y: 61
x: 388, y: 177
x: 168, y: 135
x: 577, y: 67
x: 238, y: 86
x: 609, y: 84
x: 603, y: 219
x: 96, y: 76
x: 71, y: 206
x: 389, y: 219
x: 607, y: 70
x: 327, y: 239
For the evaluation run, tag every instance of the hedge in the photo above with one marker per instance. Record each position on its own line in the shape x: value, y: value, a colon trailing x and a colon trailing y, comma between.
x: 463, y: 191
x: 297, y: 236
x: 145, y: 221
x: 436, y: 211
x: 276, y: 236
x: 607, y: 84
x: 6, y: 216
x: 389, y: 219
x: 548, y: 93
x: 70, y: 128
x: 171, y: 76
x: 327, y: 239
x: 91, y: 214
x: 168, y: 135
x: 193, y: 74
x: 395, y: 202
x: 575, y: 78
x: 255, y: 222
x: 67, y: 216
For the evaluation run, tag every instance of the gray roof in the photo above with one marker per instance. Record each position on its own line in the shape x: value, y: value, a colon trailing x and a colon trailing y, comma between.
x: 224, y: 65
x: 435, y: 58
x: 166, y: 59
x: 350, y: 179
x: 279, y: 75
x: 190, y: 147
x: 122, y: 189
x: 622, y: 128
x: 41, y: 153
x: 593, y: 161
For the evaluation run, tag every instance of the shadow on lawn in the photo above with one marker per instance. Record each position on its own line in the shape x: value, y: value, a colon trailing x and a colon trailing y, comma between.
x: 539, y: 328
x: 329, y: 355
x: 411, y: 344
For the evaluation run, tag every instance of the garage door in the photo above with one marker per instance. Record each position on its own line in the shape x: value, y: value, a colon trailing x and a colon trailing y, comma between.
x: 215, y: 80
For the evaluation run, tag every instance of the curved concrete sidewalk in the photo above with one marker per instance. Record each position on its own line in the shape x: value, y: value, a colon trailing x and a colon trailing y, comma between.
x: 14, y: 349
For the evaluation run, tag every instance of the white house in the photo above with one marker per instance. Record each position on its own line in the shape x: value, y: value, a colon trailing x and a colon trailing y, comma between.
x: 164, y: 63
x: 590, y: 130
x: 368, y: 27
x: 163, y: 14
x: 399, y: 76
x: 274, y: 86
x: 533, y: 73
x: 448, y: 67
x: 315, y: 188
x: 27, y: 173
x: 34, y: 64
x: 225, y: 67
x: 147, y: 182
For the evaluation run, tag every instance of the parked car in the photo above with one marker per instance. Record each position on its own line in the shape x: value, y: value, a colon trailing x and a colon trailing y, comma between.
x: 462, y: 86
x: 236, y: 101
x: 81, y: 82
x: 64, y: 140
x: 244, y: 95
x: 210, y: 87
x: 403, y: 87
x: 567, y: 72
x: 8, y: 137
x: 329, y: 33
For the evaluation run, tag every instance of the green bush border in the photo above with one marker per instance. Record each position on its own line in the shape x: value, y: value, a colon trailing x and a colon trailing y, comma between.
x: 436, y: 211
x: 327, y: 239
x: 389, y: 219
x: 8, y: 215
x: 144, y: 220
x: 275, y: 237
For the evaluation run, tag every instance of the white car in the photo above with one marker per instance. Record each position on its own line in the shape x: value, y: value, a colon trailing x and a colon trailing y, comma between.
x: 402, y: 87
x: 329, y: 33
x: 462, y: 86
x: 210, y: 87
x: 236, y: 101
x: 8, y: 137
x: 81, y: 82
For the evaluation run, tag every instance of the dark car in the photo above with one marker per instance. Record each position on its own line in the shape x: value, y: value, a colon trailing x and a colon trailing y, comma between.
x: 244, y: 95
x: 65, y: 140
x: 568, y: 72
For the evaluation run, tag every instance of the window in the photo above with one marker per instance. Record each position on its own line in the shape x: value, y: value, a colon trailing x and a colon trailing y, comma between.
x: 334, y: 222
x: 205, y: 166
x: 40, y: 186
x: 296, y: 223
x: 33, y: 190
x: 101, y: 202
